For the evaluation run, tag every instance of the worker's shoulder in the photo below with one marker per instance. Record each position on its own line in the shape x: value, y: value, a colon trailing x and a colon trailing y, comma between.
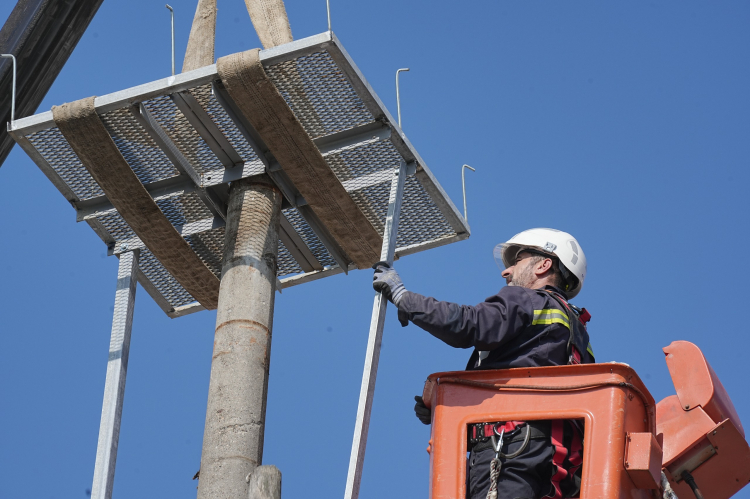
x: 521, y: 295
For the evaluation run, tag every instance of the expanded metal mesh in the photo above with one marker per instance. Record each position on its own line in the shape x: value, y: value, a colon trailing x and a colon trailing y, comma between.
x: 319, y: 93
x: 356, y: 162
x: 308, y: 236
x: 420, y: 219
x: 324, y: 100
x: 207, y: 100
x: 287, y: 265
x: 182, y: 133
x: 56, y: 151
x: 147, y: 160
x: 163, y: 281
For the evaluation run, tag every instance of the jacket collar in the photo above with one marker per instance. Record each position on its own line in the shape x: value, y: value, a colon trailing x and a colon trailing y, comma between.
x: 556, y: 290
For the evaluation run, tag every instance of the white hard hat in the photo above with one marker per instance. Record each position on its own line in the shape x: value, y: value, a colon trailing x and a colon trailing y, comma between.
x: 550, y: 241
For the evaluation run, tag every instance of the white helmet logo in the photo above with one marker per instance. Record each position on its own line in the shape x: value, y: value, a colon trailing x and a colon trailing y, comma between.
x: 549, y: 247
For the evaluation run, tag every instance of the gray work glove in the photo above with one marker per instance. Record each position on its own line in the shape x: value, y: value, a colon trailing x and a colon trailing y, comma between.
x: 387, y: 281
x: 424, y: 414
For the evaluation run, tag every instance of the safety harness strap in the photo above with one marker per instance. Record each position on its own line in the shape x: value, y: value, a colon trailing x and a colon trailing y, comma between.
x: 560, y: 473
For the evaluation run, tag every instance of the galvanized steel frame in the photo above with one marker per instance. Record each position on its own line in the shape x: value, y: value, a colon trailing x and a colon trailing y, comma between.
x: 374, y: 342
x: 117, y: 369
x: 383, y: 128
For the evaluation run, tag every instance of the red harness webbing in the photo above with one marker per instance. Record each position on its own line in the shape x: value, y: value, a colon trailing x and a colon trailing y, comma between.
x: 558, y: 458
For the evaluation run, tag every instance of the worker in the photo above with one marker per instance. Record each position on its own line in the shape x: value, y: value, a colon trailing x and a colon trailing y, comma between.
x: 528, y: 323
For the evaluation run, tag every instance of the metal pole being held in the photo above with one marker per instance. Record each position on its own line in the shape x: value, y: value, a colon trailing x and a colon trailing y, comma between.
x: 367, y: 390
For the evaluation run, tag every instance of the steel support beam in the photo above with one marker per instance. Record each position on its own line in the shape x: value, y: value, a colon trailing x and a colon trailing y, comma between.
x: 235, y: 415
x: 114, y: 386
x: 41, y: 34
x: 375, y: 339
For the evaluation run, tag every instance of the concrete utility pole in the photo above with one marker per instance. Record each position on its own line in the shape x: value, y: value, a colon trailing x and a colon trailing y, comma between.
x: 237, y: 392
x: 235, y: 417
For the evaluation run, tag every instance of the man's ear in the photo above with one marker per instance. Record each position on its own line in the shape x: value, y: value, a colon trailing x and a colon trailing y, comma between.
x: 543, y: 267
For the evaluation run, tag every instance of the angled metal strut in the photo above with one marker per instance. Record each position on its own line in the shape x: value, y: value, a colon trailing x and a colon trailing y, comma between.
x: 367, y: 390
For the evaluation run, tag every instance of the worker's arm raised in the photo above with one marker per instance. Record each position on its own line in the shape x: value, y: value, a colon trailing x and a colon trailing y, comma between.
x: 485, y: 326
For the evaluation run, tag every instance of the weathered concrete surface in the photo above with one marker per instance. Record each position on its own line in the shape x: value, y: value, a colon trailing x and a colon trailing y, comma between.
x: 200, y: 48
x: 235, y: 416
x: 265, y: 483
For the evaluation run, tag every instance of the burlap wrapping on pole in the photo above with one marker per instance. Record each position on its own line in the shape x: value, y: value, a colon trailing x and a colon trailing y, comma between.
x: 270, y: 21
x: 87, y: 135
x: 263, y: 106
x: 200, y: 48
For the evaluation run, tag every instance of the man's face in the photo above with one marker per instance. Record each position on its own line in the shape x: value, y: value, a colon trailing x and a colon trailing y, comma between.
x: 521, y: 273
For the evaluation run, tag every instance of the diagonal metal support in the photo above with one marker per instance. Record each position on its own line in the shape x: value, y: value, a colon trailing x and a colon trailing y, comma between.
x: 117, y: 368
x: 367, y: 390
x: 297, y: 247
x: 179, y: 161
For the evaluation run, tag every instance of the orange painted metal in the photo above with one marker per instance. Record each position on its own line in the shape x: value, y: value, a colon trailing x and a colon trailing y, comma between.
x: 700, y: 428
x: 643, y: 460
x: 610, y: 399
x: 696, y: 383
x: 679, y: 428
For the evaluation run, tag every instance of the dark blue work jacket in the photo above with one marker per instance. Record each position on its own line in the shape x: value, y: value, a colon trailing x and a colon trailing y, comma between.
x: 517, y: 327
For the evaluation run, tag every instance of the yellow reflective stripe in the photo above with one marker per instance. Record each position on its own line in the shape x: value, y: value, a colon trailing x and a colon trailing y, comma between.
x: 555, y: 320
x: 590, y: 350
x: 550, y: 316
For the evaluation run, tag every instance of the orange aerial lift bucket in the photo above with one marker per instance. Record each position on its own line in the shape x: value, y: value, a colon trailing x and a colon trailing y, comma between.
x: 624, y: 431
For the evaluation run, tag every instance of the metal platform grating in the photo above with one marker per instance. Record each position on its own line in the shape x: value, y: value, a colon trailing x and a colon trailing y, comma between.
x: 319, y: 94
x: 183, y: 139
x: 53, y: 147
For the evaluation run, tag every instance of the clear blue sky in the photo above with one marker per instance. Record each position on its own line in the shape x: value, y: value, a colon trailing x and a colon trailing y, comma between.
x: 624, y: 123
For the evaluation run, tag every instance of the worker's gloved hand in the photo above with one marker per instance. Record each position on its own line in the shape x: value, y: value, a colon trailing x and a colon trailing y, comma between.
x: 403, y: 318
x: 387, y: 281
x: 424, y: 414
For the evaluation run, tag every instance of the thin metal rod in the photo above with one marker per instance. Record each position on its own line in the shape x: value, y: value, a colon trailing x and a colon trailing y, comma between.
x: 171, y: 10
x: 463, y: 187
x: 328, y: 6
x: 13, y: 95
x: 117, y: 369
x: 367, y: 390
x: 398, y: 96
